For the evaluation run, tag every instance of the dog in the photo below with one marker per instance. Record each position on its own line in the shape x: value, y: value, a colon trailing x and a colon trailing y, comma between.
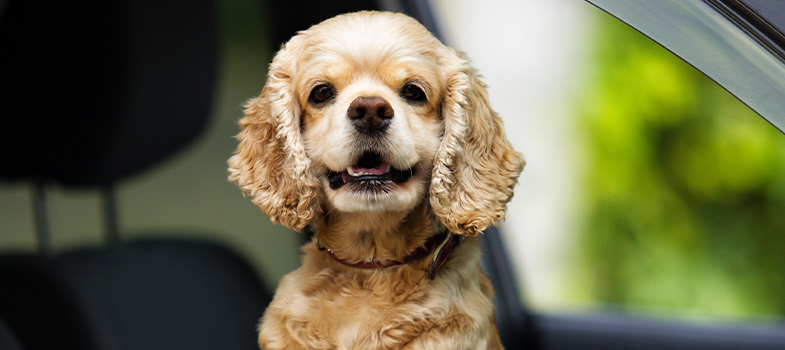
x: 378, y: 139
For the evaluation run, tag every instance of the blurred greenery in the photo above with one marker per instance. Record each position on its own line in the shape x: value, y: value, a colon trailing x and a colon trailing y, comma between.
x: 685, y: 187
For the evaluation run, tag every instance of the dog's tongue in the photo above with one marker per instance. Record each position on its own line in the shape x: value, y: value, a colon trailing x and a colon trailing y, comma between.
x: 378, y: 170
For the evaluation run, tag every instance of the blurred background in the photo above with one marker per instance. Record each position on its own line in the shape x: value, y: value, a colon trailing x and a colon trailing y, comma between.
x: 648, y: 188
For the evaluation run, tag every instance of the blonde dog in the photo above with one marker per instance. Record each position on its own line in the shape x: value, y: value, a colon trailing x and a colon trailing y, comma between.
x: 380, y: 140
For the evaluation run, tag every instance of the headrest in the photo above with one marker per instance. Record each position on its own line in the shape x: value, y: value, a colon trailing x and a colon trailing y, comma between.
x: 97, y: 91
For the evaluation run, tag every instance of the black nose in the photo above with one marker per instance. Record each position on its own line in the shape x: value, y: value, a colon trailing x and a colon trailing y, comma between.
x: 370, y: 114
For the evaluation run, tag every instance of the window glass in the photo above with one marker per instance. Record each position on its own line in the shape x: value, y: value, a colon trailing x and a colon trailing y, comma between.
x: 648, y: 187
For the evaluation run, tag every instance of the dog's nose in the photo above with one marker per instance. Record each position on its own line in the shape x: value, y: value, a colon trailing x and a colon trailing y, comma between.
x: 370, y: 114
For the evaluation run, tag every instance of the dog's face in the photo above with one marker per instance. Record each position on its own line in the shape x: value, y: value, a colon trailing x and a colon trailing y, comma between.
x: 369, y: 112
x: 370, y: 119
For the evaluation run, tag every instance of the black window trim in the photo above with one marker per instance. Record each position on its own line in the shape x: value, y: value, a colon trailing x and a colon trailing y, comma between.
x: 755, y: 24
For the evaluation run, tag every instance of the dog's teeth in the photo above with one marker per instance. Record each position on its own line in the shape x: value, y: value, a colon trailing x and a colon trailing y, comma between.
x: 387, y: 170
x: 354, y: 174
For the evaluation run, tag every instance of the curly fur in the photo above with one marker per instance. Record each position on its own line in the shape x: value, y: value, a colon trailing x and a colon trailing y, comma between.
x: 270, y: 164
x: 463, y: 174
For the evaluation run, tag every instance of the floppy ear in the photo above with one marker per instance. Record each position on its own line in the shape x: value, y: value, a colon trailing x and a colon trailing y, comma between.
x: 475, y: 168
x: 270, y: 163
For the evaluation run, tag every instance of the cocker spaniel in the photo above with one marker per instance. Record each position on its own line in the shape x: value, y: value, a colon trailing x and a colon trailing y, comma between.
x: 380, y: 140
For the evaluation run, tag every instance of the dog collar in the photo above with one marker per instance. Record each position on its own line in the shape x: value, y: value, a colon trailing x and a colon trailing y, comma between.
x: 440, y: 245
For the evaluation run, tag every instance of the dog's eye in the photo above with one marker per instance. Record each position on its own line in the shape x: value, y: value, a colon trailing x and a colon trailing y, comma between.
x: 413, y: 93
x: 320, y: 94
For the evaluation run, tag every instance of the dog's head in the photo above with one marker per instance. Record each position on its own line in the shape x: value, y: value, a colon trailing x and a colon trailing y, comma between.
x: 369, y: 112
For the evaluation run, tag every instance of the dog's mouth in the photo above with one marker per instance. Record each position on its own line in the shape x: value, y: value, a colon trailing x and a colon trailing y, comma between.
x: 370, y: 173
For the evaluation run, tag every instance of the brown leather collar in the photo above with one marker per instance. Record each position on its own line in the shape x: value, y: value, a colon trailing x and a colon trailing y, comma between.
x: 442, y: 244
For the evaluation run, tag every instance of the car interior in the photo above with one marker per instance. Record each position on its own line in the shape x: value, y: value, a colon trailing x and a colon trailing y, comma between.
x: 98, y: 93
x: 141, y: 294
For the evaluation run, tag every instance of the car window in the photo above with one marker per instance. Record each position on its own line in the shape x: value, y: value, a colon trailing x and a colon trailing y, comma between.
x: 648, y: 188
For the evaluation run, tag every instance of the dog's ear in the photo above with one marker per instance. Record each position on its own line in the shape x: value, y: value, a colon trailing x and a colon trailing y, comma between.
x: 270, y: 163
x: 475, y: 168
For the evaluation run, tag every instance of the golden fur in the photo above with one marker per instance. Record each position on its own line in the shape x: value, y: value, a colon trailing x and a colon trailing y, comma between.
x: 464, y: 170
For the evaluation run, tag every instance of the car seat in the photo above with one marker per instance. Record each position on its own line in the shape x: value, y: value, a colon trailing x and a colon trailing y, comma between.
x: 7, y: 340
x: 96, y: 92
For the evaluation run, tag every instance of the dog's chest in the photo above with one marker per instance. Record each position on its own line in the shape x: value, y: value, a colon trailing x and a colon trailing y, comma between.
x: 347, y: 314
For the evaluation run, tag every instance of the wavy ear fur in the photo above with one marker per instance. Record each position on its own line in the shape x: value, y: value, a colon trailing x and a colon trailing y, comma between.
x: 270, y: 163
x: 475, y: 168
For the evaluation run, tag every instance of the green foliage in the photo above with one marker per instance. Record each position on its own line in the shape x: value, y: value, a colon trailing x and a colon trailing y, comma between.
x: 685, y: 199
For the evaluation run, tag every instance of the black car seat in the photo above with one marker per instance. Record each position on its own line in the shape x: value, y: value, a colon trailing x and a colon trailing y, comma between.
x: 95, y: 92
x: 160, y: 294
x: 7, y: 340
